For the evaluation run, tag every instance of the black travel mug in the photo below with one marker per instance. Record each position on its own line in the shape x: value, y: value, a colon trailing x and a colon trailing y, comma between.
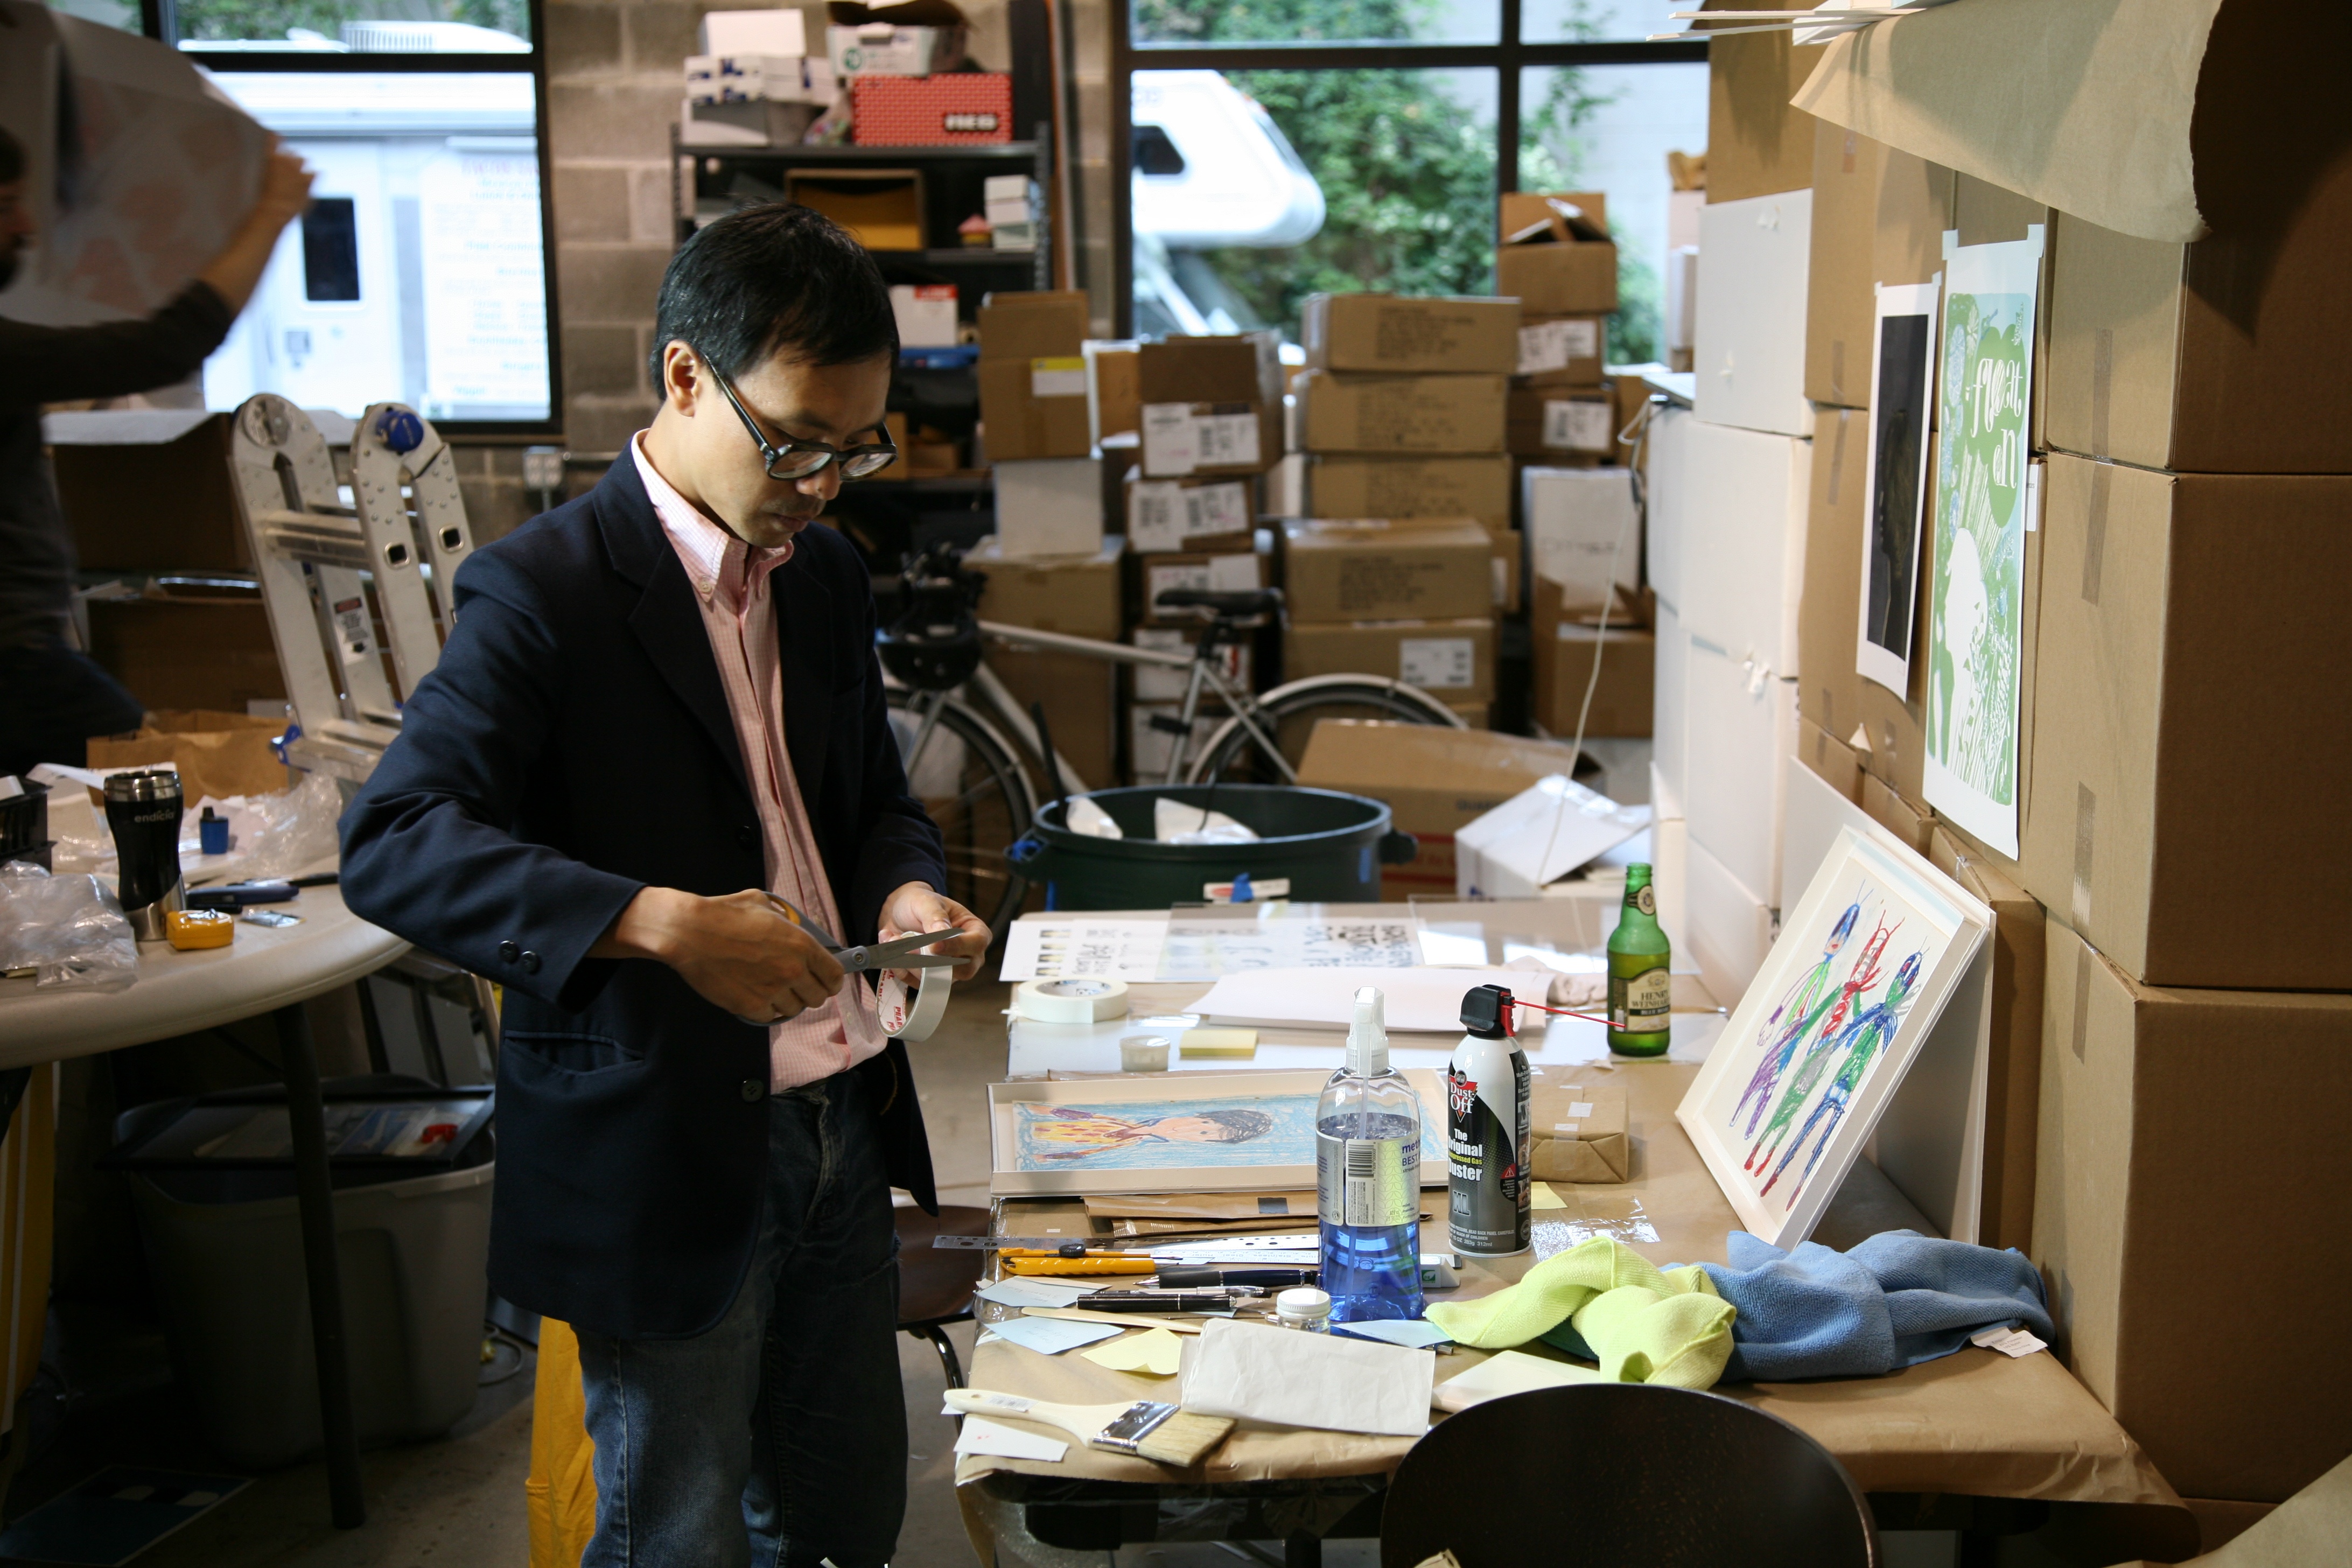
x: 142, y: 812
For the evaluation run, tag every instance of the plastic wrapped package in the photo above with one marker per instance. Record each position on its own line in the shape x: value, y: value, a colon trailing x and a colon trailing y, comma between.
x: 68, y: 930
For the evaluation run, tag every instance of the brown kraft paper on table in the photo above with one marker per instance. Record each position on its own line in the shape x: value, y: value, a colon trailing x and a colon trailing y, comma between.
x: 1975, y: 1423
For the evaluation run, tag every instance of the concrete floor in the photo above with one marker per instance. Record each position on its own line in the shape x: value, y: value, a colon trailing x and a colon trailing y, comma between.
x: 459, y: 1501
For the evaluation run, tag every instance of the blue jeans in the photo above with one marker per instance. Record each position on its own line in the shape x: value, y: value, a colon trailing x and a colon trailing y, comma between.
x: 778, y: 1436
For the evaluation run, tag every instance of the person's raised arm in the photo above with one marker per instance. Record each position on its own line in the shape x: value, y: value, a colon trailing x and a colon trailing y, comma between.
x: 285, y: 194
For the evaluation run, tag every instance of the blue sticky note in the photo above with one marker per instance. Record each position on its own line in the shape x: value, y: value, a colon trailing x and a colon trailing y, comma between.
x: 1418, y: 1333
x: 1052, y: 1336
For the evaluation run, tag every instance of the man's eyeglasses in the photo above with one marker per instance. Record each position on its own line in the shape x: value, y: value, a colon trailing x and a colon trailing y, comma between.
x: 799, y: 459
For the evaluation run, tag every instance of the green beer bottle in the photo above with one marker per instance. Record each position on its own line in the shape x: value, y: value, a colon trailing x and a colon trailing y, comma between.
x: 1641, y: 990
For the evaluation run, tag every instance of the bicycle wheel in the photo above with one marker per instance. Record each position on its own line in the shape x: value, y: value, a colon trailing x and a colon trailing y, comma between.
x: 966, y: 778
x: 1289, y: 715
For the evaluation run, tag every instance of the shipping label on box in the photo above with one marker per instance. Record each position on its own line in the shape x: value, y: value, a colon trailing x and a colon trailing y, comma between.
x: 1438, y: 664
x: 1182, y: 439
x: 1456, y: 656
x: 1164, y: 515
x: 1576, y: 425
x: 1242, y: 571
x: 1550, y: 346
x: 1057, y: 377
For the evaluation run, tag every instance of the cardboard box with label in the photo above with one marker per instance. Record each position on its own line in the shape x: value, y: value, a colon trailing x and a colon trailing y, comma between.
x: 1209, y: 405
x: 1452, y: 660
x: 1757, y: 145
x: 1197, y: 514
x: 2223, y: 1385
x: 1033, y: 375
x: 1879, y: 217
x: 1050, y: 506
x: 1552, y: 267
x: 2185, y: 742
x: 1563, y: 350
x: 1577, y: 1127
x: 1563, y: 644
x: 1414, y: 334
x: 1561, y: 425
x: 1220, y: 572
x: 1584, y: 535
x: 1435, y: 781
x: 907, y: 37
x: 1079, y: 595
x: 2014, y: 1060
x: 1477, y: 486
x: 1374, y: 569
x: 1401, y: 413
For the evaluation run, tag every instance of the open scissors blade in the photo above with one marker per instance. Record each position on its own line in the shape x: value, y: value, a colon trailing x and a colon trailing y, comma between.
x: 900, y: 952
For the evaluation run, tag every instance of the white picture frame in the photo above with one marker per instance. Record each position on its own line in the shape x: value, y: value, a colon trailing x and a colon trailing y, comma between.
x: 1818, y: 1047
x: 1156, y: 1095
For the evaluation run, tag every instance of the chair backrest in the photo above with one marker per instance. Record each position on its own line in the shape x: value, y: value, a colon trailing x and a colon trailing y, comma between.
x: 1624, y: 1473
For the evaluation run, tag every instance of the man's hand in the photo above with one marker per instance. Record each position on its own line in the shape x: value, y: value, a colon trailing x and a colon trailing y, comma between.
x: 916, y: 907
x: 740, y: 952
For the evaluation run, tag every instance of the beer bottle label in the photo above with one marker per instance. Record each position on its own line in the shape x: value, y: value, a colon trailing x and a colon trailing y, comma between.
x: 1366, y: 1180
x: 1642, y: 1002
x: 1647, y: 901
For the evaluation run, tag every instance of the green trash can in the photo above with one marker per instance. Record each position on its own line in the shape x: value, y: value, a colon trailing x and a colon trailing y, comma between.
x: 1330, y: 846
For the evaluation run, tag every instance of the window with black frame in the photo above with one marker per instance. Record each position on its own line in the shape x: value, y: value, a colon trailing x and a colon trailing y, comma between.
x: 421, y: 273
x: 1276, y: 148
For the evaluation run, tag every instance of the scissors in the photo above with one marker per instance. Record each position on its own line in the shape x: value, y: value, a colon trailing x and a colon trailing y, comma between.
x: 902, y: 952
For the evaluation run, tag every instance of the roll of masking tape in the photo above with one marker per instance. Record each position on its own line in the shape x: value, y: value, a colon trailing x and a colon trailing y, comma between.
x: 912, y: 1014
x: 1070, y: 1001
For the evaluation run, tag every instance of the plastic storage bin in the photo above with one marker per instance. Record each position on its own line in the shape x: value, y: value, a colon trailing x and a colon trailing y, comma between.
x: 224, y: 1251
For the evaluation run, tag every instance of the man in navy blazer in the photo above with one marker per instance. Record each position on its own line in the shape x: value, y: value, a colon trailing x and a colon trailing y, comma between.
x: 658, y: 714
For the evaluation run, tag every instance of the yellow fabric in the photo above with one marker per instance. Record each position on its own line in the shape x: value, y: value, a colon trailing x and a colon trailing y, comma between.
x: 562, y: 1486
x: 1646, y: 1325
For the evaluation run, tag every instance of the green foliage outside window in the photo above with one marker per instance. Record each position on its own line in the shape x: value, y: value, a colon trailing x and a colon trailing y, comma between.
x: 256, y: 19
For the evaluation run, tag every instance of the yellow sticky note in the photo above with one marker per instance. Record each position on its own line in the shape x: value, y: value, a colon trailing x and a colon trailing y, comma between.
x: 1152, y: 1353
x: 1219, y: 1042
x: 1545, y: 1198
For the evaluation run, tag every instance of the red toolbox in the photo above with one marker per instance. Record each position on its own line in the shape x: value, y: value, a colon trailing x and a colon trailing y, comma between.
x: 959, y: 107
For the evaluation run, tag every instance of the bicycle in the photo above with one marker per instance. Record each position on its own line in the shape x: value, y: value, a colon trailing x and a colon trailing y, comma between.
x: 973, y: 781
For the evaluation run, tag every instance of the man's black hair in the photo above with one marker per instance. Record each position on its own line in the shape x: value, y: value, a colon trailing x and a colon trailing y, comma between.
x: 771, y: 278
x: 12, y: 158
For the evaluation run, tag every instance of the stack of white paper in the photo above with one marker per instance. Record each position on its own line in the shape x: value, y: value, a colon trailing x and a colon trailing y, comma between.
x: 1253, y: 1371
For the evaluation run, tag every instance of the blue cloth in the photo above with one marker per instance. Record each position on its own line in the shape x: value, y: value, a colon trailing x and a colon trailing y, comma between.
x: 778, y: 1436
x: 1895, y: 1300
x: 572, y: 746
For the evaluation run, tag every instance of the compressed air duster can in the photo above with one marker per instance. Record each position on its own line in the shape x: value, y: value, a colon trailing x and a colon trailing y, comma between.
x: 1486, y: 1138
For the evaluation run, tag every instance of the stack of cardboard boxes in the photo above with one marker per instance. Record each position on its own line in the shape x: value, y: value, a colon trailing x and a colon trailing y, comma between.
x: 1406, y: 549
x: 1555, y: 258
x: 1729, y: 484
x: 1208, y: 424
x: 2171, y: 1051
x: 1032, y: 411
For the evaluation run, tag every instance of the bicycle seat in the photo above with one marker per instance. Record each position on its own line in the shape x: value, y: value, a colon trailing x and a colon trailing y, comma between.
x: 1257, y: 602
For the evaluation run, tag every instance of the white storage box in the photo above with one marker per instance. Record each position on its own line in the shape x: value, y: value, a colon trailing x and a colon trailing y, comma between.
x: 1729, y: 929
x: 1668, y: 494
x: 770, y: 32
x: 1670, y: 714
x: 1049, y: 506
x: 1582, y: 524
x: 1749, y: 358
x: 1742, y: 515
x: 1742, y: 730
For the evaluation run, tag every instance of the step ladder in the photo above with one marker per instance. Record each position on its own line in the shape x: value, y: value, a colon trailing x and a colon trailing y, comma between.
x: 402, y: 535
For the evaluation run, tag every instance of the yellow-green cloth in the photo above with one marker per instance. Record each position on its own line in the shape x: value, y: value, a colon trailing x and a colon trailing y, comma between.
x: 1645, y: 1325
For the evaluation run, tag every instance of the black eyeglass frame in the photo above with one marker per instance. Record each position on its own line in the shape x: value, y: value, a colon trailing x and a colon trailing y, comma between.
x: 772, y: 455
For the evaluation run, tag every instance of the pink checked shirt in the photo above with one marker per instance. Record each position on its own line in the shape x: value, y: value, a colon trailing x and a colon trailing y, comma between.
x: 730, y: 584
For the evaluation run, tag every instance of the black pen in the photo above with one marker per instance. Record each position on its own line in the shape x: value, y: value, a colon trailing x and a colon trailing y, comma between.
x: 1154, y: 1302
x: 1204, y: 1278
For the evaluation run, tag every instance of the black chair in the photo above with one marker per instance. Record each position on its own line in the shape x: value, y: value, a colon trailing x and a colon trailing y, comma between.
x: 1606, y: 1474
x: 935, y: 1284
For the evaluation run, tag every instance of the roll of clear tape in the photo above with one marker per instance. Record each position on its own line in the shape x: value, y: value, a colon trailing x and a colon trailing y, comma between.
x: 1070, y: 1001
x: 911, y: 1015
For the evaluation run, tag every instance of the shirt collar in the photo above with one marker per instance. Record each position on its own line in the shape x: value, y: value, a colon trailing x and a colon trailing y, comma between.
x: 711, y: 556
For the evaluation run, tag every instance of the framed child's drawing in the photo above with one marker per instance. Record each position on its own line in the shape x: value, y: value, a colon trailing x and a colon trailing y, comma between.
x: 1174, y: 1132
x: 1820, y: 1043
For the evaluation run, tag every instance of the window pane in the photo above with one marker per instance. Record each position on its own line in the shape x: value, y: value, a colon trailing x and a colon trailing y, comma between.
x: 1254, y: 189
x: 1608, y: 128
x: 1598, y: 21
x: 360, y: 26
x: 123, y: 13
x: 1263, y: 24
x: 417, y: 275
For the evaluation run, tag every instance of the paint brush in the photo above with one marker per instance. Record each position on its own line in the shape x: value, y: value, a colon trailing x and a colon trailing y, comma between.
x: 1149, y: 1429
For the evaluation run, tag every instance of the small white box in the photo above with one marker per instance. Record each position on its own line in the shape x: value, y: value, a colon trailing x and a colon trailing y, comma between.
x: 1006, y: 199
x: 926, y: 313
x: 1049, y: 506
x: 877, y: 49
x: 1013, y: 236
x: 1580, y: 522
x: 1750, y: 338
x: 775, y: 32
x: 776, y: 79
x: 763, y: 122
